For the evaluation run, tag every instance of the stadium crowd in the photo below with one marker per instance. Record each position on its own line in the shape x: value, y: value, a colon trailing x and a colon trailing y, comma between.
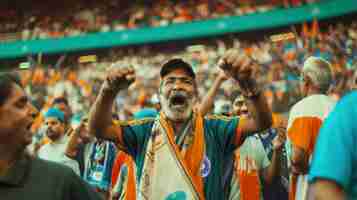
x: 279, y: 67
x: 40, y: 21
x: 84, y: 110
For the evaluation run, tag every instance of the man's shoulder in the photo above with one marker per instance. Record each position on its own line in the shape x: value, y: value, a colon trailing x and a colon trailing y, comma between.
x: 314, y: 105
x: 51, y: 168
x: 298, y: 105
x: 43, y: 149
x: 219, y: 118
x: 136, y: 122
x: 60, y: 180
x: 220, y: 123
x: 314, y: 100
x: 348, y: 102
x: 252, y: 139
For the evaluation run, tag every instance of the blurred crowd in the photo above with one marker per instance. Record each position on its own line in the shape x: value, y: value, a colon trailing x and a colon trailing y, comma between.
x: 41, y: 21
x: 64, y: 92
x: 278, y: 66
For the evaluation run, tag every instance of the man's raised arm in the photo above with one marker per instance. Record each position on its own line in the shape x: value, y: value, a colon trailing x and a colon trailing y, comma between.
x: 207, y: 102
x: 100, y: 116
x: 239, y: 66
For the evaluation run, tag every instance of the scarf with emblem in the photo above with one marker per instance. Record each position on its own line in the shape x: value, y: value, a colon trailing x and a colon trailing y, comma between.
x: 172, y: 166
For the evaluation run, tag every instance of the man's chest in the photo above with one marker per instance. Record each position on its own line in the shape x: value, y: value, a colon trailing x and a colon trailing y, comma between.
x: 35, y: 189
x: 53, y: 152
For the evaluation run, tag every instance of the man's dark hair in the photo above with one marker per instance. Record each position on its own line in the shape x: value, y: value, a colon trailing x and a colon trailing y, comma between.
x: 7, y: 81
x: 59, y: 100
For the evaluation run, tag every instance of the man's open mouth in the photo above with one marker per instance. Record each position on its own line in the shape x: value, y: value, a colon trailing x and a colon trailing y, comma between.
x: 178, y: 101
x: 244, y: 113
x: 50, y: 133
x: 29, y: 126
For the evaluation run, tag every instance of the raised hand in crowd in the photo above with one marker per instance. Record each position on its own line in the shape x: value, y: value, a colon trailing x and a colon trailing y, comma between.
x: 239, y: 66
x: 80, y: 135
x: 100, y: 117
x: 279, y: 140
x: 118, y: 78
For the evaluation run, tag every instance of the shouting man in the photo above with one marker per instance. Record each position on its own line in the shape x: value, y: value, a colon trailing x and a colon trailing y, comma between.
x: 180, y: 154
x: 21, y: 176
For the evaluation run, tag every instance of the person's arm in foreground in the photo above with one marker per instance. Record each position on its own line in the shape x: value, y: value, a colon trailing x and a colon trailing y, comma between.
x: 324, y: 189
x: 332, y: 166
x: 73, y: 143
x: 100, y: 117
x: 76, y: 140
x: 79, y: 189
x: 239, y: 66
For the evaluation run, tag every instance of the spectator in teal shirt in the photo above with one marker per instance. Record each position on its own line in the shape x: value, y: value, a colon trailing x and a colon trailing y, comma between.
x: 180, y: 153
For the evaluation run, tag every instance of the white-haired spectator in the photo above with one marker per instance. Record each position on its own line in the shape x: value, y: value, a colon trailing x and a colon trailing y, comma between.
x: 316, y: 75
x: 305, y: 120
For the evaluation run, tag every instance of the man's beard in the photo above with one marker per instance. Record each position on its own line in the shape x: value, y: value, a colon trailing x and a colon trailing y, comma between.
x: 177, y: 106
x: 52, y: 135
x: 244, y: 114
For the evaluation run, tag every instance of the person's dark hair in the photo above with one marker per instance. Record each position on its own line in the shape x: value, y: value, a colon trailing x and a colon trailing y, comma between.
x: 235, y: 94
x: 59, y: 100
x: 7, y: 81
x: 115, y: 116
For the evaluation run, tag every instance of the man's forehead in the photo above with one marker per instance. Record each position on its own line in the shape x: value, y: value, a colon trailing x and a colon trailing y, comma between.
x: 16, y: 94
x: 52, y: 119
x: 178, y: 73
x: 60, y: 105
x: 239, y: 99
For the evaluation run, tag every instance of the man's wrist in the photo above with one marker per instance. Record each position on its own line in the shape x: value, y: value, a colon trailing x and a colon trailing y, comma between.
x: 251, y: 94
x: 278, y: 149
x: 249, y: 88
x: 71, y: 154
x: 108, y: 92
x: 220, y: 79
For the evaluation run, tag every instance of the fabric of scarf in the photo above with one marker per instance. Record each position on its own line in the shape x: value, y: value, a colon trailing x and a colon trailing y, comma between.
x: 190, y: 156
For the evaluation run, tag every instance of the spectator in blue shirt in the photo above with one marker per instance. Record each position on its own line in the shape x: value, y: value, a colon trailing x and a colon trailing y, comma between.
x: 333, y: 174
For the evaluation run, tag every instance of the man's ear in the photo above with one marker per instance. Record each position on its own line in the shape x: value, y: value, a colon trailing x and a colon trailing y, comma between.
x: 160, y: 88
x: 308, y: 82
x: 159, y: 91
x: 305, y: 80
x: 63, y: 125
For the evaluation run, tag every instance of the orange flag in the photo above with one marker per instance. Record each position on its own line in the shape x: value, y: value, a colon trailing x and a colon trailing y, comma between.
x: 315, y: 28
x: 305, y: 30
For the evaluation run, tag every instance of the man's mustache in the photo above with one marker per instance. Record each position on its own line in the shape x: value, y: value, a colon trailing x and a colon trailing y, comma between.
x: 49, y: 130
x: 179, y: 93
